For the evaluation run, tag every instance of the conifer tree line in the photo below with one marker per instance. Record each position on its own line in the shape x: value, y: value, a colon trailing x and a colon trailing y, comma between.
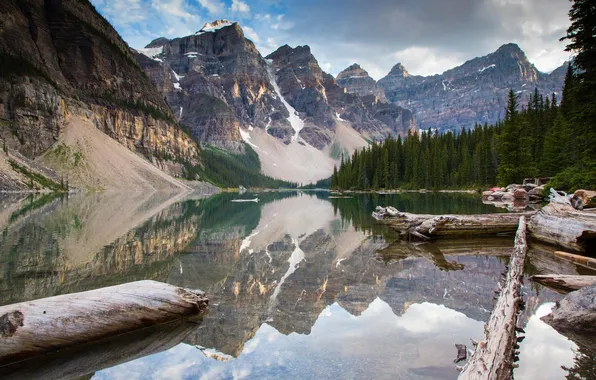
x: 543, y: 138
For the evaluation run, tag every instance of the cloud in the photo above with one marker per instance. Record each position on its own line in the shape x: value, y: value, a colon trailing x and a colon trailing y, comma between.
x: 240, y: 6
x: 251, y: 34
x: 427, y: 36
x: 451, y: 31
x: 212, y: 6
x: 174, y: 8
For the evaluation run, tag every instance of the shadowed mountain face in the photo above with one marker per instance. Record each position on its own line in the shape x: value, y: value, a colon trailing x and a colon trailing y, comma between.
x: 475, y: 92
x: 61, y: 59
x: 297, y: 283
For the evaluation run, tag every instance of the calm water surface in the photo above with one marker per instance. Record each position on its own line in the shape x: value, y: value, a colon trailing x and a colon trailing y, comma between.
x: 301, y: 285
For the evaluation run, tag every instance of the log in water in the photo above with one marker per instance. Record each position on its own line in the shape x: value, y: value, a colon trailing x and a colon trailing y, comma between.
x: 494, y: 355
x: 36, y: 327
x: 564, y: 283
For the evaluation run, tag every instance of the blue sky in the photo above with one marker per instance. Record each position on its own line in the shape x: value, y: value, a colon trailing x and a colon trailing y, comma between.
x: 427, y: 36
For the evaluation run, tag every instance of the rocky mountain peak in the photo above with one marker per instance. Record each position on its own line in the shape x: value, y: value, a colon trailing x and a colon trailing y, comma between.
x: 215, y: 25
x: 474, y: 92
x: 353, y: 71
x: 157, y: 43
x: 399, y: 70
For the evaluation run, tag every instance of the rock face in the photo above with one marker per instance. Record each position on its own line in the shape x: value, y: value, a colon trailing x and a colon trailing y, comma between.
x: 217, y: 83
x: 575, y: 317
x: 322, y: 102
x: 357, y: 81
x: 475, y: 92
x: 61, y: 58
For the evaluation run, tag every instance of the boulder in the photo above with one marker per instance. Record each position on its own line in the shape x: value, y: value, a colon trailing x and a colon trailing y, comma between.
x: 511, y: 188
x: 575, y: 316
x: 529, y: 186
x: 537, y: 191
x: 588, y: 197
x: 520, y: 194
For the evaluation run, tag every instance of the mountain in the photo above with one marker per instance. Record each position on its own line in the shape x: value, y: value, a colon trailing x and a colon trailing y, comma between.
x: 474, y: 92
x: 296, y: 117
x: 67, y: 80
x: 357, y: 81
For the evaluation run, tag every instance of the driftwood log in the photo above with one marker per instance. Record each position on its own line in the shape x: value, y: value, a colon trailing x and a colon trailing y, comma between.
x: 588, y: 262
x: 564, y: 283
x: 32, y: 328
x: 557, y: 223
x: 426, y: 226
x: 495, y: 354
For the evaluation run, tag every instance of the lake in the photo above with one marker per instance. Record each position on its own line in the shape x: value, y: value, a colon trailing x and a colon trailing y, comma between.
x: 301, y: 285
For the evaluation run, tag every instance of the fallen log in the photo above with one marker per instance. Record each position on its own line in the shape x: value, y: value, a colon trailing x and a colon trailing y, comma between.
x: 495, y: 354
x: 426, y: 226
x: 37, y: 327
x: 564, y: 283
x: 585, y: 261
x: 558, y: 223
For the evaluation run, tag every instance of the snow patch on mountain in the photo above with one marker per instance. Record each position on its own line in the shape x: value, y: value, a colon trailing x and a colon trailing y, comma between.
x: 151, y: 52
x: 486, y: 68
x: 295, y: 121
x: 213, y: 26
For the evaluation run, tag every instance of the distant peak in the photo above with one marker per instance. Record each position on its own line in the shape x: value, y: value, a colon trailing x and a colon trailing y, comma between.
x: 400, y: 70
x: 215, y: 25
x: 353, y: 71
x: 158, y: 42
x: 510, y: 48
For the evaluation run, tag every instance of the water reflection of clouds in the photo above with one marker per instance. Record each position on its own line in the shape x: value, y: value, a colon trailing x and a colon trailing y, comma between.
x: 544, y: 350
x: 377, y: 343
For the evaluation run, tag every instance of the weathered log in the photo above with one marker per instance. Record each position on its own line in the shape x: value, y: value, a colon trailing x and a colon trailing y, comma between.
x: 564, y: 283
x: 32, y: 328
x: 494, y: 355
x: 558, y: 223
x: 585, y: 261
x: 82, y: 360
x: 426, y: 226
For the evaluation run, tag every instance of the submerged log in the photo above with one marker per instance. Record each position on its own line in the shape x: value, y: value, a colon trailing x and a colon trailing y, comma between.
x: 32, y: 328
x: 564, y: 283
x: 585, y: 261
x: 494, y: 355
x: 426, y: 226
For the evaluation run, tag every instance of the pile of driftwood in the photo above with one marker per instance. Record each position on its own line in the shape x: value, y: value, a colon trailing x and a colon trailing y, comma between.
x: 557, y: 223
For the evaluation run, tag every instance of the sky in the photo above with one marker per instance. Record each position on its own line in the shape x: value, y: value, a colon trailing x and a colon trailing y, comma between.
x: 426, y: 36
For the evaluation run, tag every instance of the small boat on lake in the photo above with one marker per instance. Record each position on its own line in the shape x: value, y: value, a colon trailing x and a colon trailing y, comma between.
x: 256, y: 200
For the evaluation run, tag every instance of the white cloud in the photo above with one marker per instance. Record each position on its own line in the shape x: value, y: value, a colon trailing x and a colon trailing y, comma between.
x: 420, y: 60
x: 212, y: 6
x: 174, y: 8
x: 240, y: 6
x: 251, y: 34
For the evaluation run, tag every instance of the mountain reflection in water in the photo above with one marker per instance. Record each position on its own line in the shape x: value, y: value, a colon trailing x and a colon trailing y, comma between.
x: 300, y: 286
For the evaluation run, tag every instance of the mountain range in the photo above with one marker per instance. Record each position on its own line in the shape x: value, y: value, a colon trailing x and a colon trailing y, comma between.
x: 77, y: 102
